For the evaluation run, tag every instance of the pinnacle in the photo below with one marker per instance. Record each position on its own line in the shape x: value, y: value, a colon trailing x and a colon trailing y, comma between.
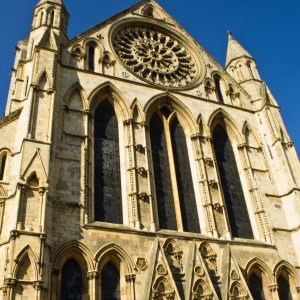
x: 235, y: 49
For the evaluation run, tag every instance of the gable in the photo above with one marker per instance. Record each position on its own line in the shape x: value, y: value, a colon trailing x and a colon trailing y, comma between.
x: 144, y: 44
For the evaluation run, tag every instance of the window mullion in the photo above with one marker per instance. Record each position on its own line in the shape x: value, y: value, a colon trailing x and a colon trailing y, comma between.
x: 173, y: 175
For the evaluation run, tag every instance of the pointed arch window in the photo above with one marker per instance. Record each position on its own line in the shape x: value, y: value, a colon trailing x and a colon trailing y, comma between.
x: 110, y: 283
x: 91, y: 57
x: 71, y: 281
x: 219, y: 95
x: 231, y: 185
x: 51, y: 18
x: 41, y: 18
x: 176, y: 202
x: 284, y: 289
x: 256, y: 287
x: 107, y: 175
x: 3, y: 158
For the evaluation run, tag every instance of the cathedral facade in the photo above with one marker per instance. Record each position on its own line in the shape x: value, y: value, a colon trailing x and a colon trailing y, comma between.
x: 134, y: 167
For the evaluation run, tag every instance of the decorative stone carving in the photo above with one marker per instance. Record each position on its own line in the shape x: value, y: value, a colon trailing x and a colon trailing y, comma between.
x: 234, y: 275
x: 174, y: 255
x: 209, y: 257
x: 155, y: 57
x: 201, y: 291
x: 140, y: 148
x: 161, y: 270
x: 143, y: 197
x: 142, y: 171
x: 141, y: 263
x: 199, y: 271
x: 237, y: 292
x: 162, y: 290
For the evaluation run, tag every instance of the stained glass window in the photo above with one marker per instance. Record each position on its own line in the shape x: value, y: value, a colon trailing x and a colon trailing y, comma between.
x: 284, y: 289
x: 2, y: 166
x: 164, y: 193
x: 91, y: 58
x: 110, y: 283
x: 231, y: 185
x: 169, y: 151
x: 107, y: 179
x: 219, y: 94
x: 186, y: 192
x: 256, y: 287
x: 71, y: 281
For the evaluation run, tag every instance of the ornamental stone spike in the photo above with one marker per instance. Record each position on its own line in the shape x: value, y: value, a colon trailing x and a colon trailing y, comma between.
x: 235, y: 50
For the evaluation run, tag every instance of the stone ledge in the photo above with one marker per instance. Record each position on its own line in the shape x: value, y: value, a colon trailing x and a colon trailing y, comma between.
x: 169, y: 233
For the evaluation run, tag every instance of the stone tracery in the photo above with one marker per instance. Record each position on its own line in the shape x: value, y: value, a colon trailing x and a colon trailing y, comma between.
x: 155, y: 56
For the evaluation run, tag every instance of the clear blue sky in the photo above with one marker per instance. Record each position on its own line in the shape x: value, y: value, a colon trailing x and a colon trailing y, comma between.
x: 268, y: 29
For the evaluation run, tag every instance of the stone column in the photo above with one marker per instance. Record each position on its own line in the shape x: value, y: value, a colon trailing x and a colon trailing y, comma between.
x: 54, y: 288
x: 134, y: 220
x: 255, y: 195
x: 274, y: 291
x: 207, y: 202
x: 150, y: 189
x: 218, y: 185
x: 130, y: 280
x: 92, y: 285
x: 9, y: 284
x: 85, y: 170
x: 42, y: 204
x: 38, y: 287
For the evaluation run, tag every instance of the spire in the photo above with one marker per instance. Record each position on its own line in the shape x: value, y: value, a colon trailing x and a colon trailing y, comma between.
x: 234, y: 50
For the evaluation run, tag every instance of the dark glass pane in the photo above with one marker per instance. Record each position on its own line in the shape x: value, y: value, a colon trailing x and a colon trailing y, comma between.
x: 256, y: 287
x: 284, y: 289
x: 166, y: 112
x: 187, y: 198
x: 232, y: 188
x: 71, y: 281
x: 2, y: 168
x: 218, y: 90
x: 108, y: 197
x: 110, y: 283
x: 164, y: 193
x: 91, y: 58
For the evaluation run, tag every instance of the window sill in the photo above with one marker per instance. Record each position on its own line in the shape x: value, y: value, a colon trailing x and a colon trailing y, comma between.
x: 125, y: 229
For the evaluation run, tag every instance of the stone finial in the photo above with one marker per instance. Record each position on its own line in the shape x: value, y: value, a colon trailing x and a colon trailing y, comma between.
x: 234, y: 49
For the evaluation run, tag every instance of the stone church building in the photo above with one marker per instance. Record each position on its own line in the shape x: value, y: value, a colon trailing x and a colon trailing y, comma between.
x: 134, y: 167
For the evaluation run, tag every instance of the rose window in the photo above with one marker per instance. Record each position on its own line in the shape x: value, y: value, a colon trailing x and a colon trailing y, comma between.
x: 155, y: 56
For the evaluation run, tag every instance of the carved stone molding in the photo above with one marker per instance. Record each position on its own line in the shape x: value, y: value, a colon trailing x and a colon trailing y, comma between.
x: 38, y: 285
x: 141, y: 263
x: 130, y: 277
x: 92, y: 275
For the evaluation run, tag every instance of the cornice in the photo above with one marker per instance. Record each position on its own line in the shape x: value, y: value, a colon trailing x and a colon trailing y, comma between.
x: 174, y: 92
x: 10, y: 118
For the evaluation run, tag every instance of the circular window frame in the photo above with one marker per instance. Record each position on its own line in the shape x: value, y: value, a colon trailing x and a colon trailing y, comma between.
x: 200, y: 67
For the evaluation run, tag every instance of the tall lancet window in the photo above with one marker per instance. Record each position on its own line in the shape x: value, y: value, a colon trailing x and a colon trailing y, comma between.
x: 110, y: 283
x: 256, y: 287
x: 2, y: 165
x: 91, y: 57
x: 231, y: 185
x: 107, y: 177
x: 71, y: 281
x: 284, y: 289
x: 217, y: 80
x: 176, y: 202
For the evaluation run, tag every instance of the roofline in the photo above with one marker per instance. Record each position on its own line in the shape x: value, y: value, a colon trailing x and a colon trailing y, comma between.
x: 123, y: 12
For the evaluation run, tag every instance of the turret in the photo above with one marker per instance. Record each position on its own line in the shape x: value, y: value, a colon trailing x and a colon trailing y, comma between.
x: 49, y: 25
x: 239, y: 63
x: 242, y: 67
